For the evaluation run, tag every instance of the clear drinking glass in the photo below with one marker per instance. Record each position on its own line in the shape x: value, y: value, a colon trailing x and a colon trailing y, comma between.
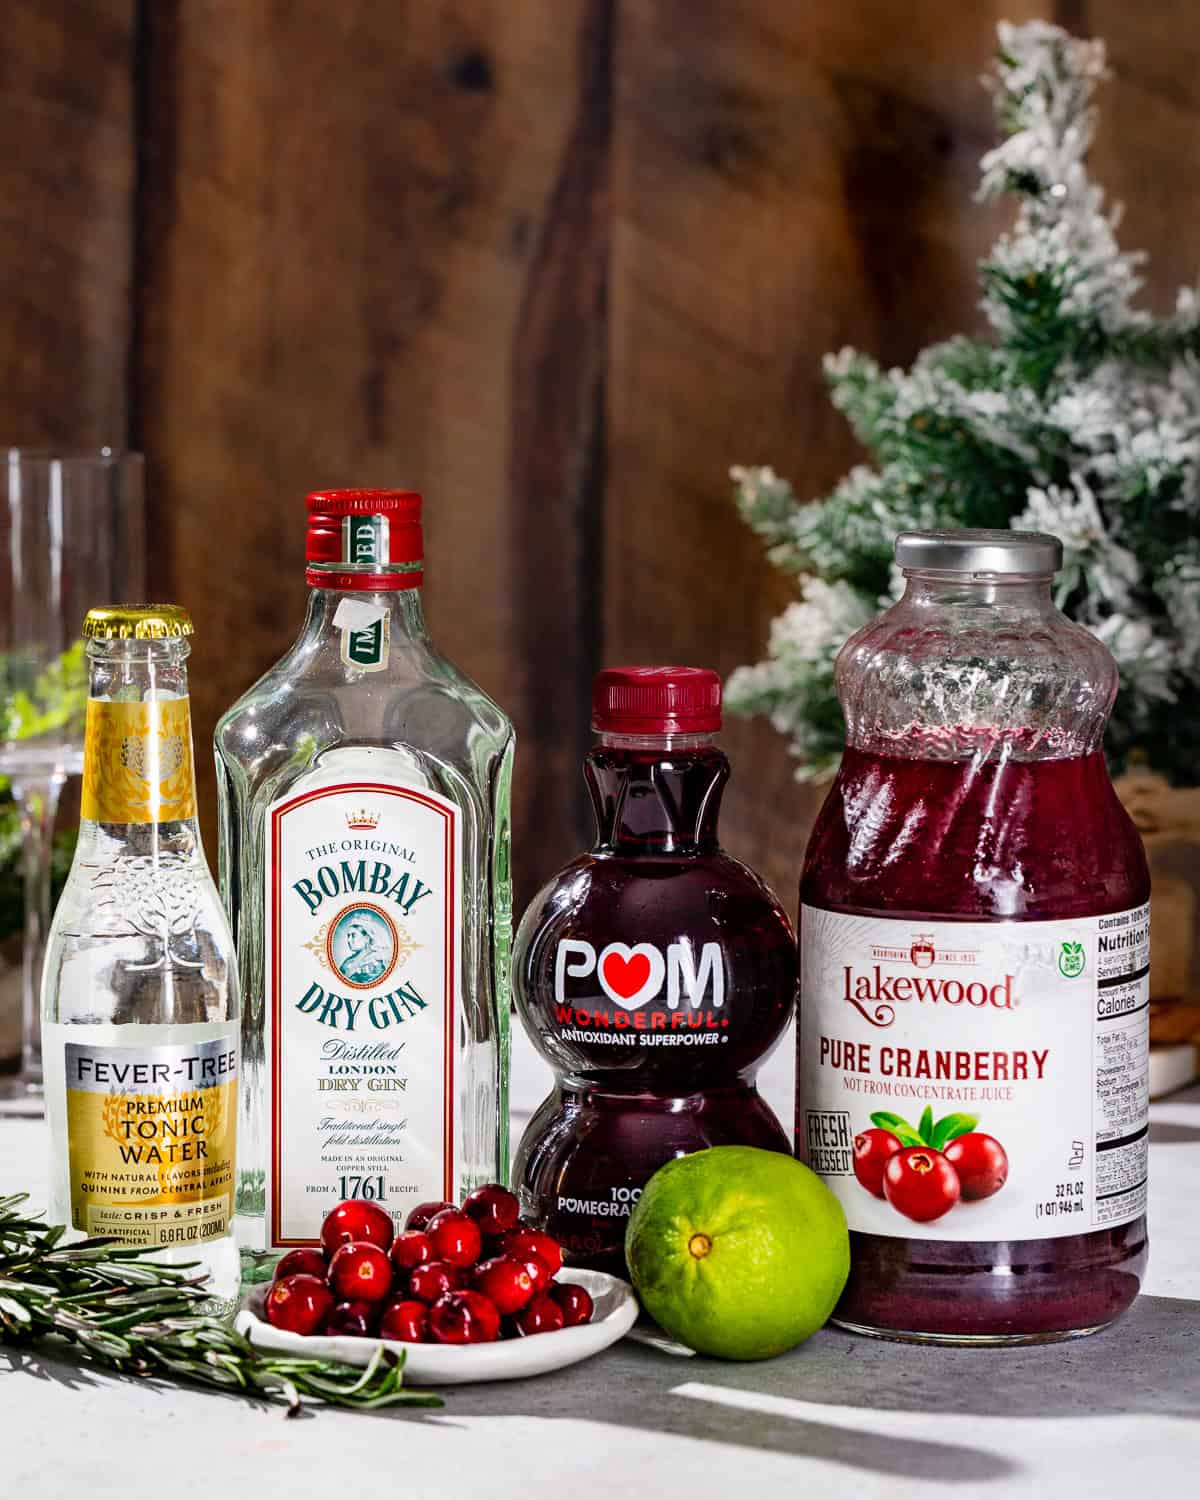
x: 71, y: 533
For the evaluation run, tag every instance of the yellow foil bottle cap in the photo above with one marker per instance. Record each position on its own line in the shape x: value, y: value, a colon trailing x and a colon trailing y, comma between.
x: 137, y: 622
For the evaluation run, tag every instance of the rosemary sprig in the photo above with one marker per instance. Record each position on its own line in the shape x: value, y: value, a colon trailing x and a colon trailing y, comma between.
x: 126, y: 1311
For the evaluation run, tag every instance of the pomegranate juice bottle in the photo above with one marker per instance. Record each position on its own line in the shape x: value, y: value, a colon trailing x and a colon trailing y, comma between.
x: 973, y: 1044
x: 654, y: 973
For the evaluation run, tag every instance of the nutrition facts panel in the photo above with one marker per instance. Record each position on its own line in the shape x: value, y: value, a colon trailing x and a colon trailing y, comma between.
x: 1122, y: 1062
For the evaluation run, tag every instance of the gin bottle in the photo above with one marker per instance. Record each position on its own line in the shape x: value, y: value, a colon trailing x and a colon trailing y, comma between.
x: 364, y: 791
x: 139, y: 992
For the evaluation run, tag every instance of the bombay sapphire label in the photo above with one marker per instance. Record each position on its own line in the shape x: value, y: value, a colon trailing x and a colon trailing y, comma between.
x: 363, y: 963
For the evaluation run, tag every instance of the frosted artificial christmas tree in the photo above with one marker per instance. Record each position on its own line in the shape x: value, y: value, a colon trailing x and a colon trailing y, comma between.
x: 1080, y: 415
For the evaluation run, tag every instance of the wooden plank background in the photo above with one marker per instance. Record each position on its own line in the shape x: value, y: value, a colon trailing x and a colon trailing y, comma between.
x: 558, y: 263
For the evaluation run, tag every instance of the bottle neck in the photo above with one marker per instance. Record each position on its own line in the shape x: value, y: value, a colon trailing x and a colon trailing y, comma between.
x: 138, y: 766
x: 337, y: 612
x: 656, y: 794
x: 1023, y: 592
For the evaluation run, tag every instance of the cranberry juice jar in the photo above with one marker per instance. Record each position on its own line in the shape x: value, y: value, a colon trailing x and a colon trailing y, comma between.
x: 654, y: 972
x: 973, y: 1041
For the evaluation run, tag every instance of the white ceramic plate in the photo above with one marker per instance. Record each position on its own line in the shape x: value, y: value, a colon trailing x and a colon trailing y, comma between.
x: 436, y: 1365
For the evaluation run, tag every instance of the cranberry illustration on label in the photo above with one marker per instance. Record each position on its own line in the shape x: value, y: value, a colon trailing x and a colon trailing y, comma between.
x: 981, y: 1163
x: 873, y: 1149
x: 921, y: 1184
x: 924, y: 1170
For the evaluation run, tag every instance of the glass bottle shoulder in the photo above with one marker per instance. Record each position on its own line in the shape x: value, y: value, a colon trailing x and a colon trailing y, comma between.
x: 139, y: 934
x: 951, y: 670
x: 311, y: 705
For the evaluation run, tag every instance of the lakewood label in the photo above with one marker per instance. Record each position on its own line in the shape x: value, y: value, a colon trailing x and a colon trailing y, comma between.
x: 1003, y: 1065
x: 362, y: 922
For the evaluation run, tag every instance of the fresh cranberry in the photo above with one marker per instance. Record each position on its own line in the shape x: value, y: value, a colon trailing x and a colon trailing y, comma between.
x: 507, y: 1282
x: 360, y: 1273
x: 464, y: 1318
x: 539, y: 1272
x: 920, y: 1183
x: 410, y: 1249
x: 420, y: 1216
x: 406, y: 1321
x: 455, y: 1238
x: 357, y: 1222
x: 303, y: 1262
x: 981, y: 1163
x: 575, y: 1301
x: 543, y: 1315
x: 355, y: 1319
x: 522, y: 1243
x: 873, y: 1149
x: 434, y: 1279
x: 299, y: 1303
x: 493, y: 1208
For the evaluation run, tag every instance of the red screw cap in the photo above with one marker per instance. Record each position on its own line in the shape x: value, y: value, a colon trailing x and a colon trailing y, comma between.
x: 656, y: 700
x: 368, y: 539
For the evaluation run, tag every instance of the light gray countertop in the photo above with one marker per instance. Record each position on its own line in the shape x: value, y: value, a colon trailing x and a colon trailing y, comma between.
x: 1114, y: 1415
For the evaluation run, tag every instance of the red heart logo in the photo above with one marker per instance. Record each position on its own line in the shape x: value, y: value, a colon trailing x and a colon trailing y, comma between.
x: 626, y: 976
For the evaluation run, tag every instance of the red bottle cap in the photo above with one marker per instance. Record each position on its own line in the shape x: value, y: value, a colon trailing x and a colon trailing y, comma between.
x: 656, y: 700
x: 364, y: 539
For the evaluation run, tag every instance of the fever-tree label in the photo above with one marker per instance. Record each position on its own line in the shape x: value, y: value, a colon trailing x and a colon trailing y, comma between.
x: 361, y: 933
x: 150, y: 1133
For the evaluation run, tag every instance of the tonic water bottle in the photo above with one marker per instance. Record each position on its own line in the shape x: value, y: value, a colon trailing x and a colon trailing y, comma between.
x: 139, y: 994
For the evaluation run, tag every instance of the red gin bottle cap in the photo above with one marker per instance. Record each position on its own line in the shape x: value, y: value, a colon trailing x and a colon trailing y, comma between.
x: 364, y: 539
x: 656, y: 700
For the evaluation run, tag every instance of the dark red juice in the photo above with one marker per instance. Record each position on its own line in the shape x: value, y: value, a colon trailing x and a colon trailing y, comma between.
x: 999, y: 840
x: 972, y: 1055
x: 654, y: 973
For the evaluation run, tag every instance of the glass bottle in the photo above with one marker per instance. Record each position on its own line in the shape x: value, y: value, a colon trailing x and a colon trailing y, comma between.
x: 140, y: 995
x: 364, y: 791
x: 654, y: 973
x: 973, y: 1063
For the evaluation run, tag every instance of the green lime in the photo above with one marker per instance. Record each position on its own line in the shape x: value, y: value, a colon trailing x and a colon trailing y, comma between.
x: 738, y: 1252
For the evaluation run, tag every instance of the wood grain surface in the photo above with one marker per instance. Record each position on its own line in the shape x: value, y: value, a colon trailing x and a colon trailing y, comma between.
x: 789, y: 179
x: 355, y: 219
x: 67, y: 187
x: 557, y: 263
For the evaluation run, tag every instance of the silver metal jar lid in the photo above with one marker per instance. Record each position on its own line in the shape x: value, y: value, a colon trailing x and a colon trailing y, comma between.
x: 968, y: 551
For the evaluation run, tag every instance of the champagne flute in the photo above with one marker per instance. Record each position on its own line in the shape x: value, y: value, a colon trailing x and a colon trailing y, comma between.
x: 72, y: 534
